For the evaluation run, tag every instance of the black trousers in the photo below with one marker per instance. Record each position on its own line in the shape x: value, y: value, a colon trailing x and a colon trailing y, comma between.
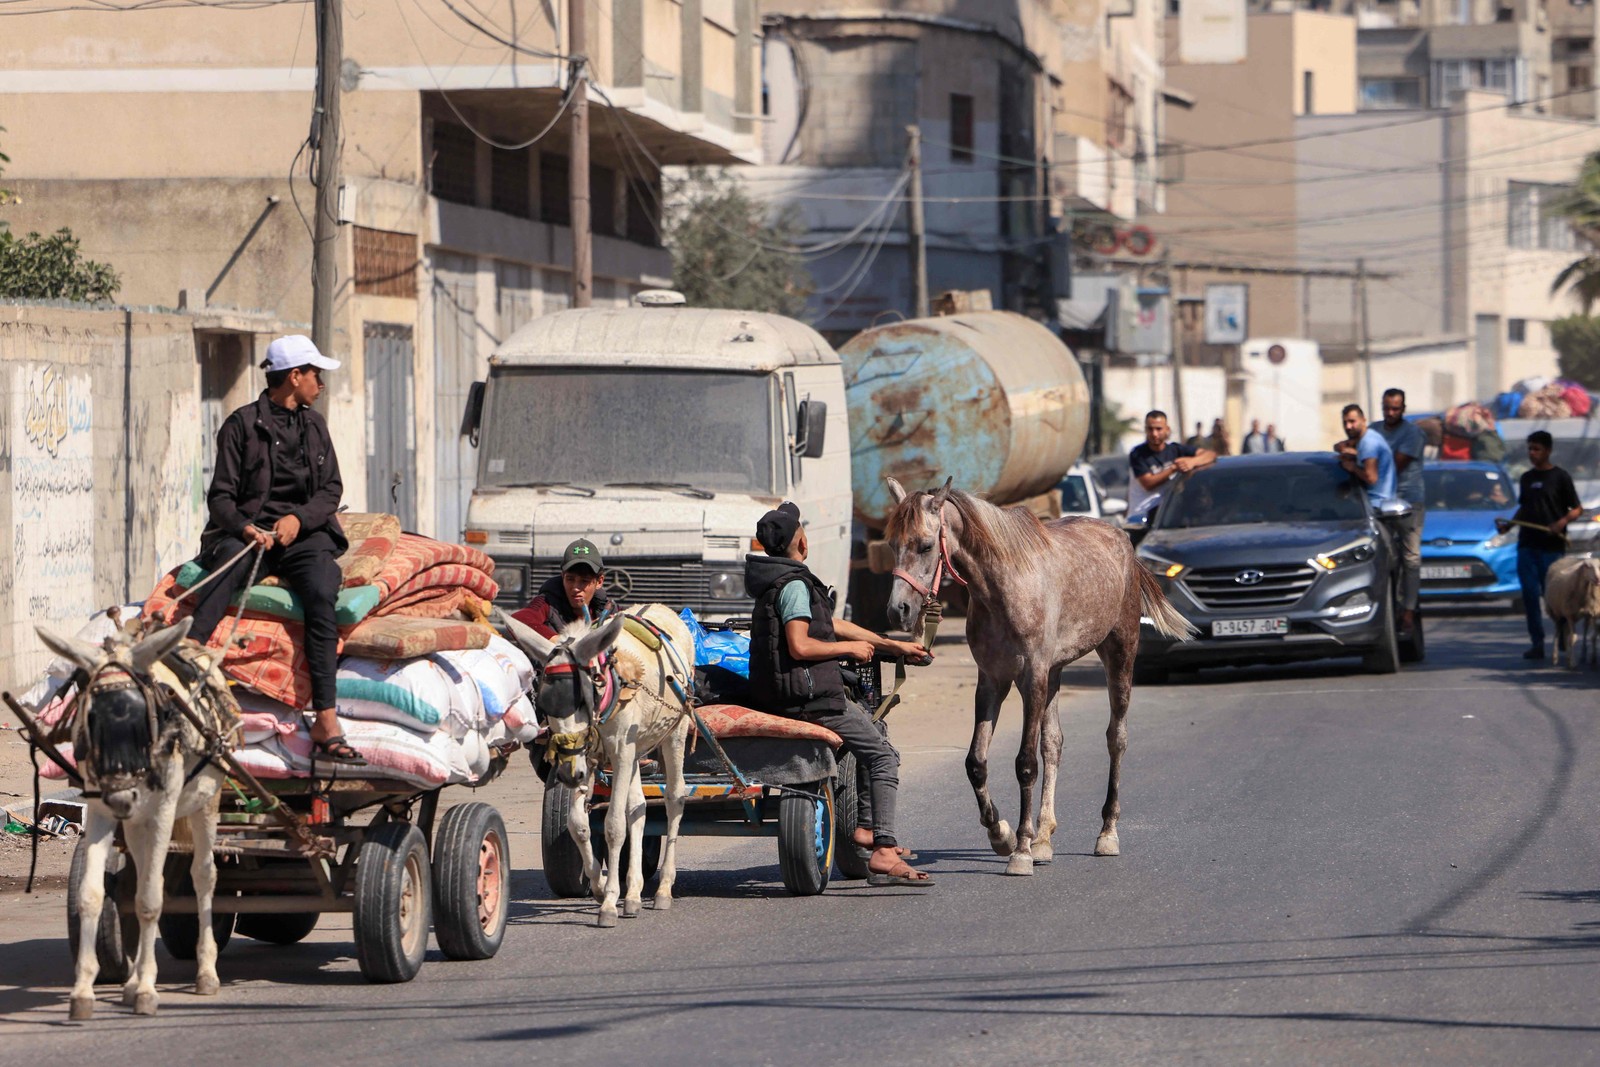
x: 308, y: 568
x: 872, y: 750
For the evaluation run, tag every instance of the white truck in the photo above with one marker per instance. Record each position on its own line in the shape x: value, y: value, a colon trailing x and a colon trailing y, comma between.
x: 662, y: 434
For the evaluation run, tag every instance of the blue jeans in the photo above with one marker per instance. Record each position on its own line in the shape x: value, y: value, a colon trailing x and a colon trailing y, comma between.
x: 1532, y: 566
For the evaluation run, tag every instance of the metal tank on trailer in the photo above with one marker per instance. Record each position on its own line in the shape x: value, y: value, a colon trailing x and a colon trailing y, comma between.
x: 990, y: 398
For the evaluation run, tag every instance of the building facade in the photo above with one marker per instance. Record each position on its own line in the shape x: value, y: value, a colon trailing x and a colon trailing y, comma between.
x: 173, y: 143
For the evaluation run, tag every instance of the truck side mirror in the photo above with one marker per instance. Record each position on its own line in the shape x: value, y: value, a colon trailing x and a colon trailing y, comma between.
x: 811, y: 428
x: 473, y: 415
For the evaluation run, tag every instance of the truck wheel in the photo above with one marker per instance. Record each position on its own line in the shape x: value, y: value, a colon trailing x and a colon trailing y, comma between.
x: 393, y: 902
x: 1385, y: 657
x: 471, y: 882
x: 278, y: 928
x: 181, y: 933
x: 805, y: 838
x: 563, y: 868
x: 849, y: 857
x: 117, y: 934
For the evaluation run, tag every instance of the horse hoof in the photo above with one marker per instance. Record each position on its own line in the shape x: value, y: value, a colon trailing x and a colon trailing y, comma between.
x: 1021, y: 864
x: 1043, y: 852
x: 145, y: 1004
x: 631, y: 909
x: 606, y: 919
x: 1001, y: 839
x: 663, y: 903
x: 1107, y: 845
x: 82, y: 1009
x: 207, y: 985
x: 130, y: 992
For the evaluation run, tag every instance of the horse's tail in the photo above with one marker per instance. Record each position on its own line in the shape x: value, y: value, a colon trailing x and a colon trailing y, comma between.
x: 1155, y: 606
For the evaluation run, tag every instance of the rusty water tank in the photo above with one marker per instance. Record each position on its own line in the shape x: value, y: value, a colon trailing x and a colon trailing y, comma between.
x: 991, y: 398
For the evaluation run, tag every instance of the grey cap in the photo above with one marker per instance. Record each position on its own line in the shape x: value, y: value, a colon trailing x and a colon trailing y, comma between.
x: 582, y: 553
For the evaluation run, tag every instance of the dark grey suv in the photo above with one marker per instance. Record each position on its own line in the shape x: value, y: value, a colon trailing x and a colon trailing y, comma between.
x: 1274, y: 558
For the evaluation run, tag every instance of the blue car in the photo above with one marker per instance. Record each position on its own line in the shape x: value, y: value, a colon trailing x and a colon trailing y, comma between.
x: 1463, y: 557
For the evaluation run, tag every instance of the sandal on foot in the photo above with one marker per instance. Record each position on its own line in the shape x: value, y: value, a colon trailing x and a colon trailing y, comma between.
x: 903, y: 853
x: 336, y: 749
x: 901, y: 875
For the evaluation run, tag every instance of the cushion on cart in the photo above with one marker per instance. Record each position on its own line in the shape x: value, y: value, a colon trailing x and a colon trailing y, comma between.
x: 730, y: 720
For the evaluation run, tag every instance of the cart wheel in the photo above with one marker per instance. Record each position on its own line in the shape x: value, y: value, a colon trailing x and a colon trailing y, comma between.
x: 849, y: 857
x: 652, y: 859
x: 285, y: 928
x: 471, y: 882
x: 117, y: 934
x: 181, y: 933
x: 563, y: 868
x: 805, y: 838
x: 393, y: 902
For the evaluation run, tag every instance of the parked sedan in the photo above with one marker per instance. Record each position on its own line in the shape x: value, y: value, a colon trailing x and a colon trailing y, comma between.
x: 1464, y: 558
x: 1274, y: 557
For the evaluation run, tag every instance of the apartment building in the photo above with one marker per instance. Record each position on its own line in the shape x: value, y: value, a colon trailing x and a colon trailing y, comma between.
x: 173, y: 142
x: 1031, y: 113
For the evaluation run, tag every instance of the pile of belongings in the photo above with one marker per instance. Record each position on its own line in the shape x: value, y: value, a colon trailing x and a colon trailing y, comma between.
x: 1545, y: 398
x: 1467, y: 431
x: 426, y: 687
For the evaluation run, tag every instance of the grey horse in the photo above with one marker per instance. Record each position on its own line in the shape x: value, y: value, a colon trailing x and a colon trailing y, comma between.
x: 1041, y: 596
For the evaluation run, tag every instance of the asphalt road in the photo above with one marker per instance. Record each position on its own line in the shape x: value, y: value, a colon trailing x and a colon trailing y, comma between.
x: 1317, y: 866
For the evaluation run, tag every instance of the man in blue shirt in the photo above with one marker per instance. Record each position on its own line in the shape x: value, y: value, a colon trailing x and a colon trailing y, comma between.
x: 1366, y: 455
x: 1407, y: 443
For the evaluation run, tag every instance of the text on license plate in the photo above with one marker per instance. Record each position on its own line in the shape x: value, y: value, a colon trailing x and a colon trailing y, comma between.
x: 1249, y: 627
x: 1446, y: 572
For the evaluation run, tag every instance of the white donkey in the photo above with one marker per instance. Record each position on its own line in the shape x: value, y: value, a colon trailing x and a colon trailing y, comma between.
x: 143, y: 765
x: 608, y: 694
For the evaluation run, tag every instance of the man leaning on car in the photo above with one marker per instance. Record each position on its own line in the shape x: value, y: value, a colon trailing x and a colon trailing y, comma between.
x: 1407, y: 443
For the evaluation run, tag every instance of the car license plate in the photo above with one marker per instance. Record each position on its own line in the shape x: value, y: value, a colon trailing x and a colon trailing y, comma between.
x: 1249, y: 627
x: 1446, y: 572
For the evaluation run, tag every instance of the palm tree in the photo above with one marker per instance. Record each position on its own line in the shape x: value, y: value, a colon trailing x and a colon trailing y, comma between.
x: 1580, y: 206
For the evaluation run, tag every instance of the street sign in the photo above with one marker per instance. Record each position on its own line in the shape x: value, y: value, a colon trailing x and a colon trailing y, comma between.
x: 1227, y: 314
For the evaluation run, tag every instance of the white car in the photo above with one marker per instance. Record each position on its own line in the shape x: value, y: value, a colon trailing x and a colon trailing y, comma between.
x: 1082, y: 494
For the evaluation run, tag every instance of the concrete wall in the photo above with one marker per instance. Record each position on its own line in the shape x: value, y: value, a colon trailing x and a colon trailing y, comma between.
x: 100, y: 474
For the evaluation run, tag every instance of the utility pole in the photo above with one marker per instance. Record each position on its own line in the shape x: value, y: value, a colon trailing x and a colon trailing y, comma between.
x: 1176, y: 333
x: 582, y: 237
x: 1363, y: 348
x: 325, y: 142
x: 918, y: 243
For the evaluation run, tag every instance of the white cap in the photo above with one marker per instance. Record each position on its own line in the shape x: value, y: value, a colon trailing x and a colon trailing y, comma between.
x: 296, y: 350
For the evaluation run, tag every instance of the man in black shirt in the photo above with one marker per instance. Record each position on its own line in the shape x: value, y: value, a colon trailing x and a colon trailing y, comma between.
x: 1154, y: 463
x: 277, y: 485
x: 1548, y: 499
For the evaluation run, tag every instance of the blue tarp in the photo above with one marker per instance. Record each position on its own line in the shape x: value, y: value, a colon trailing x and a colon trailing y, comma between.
x: 727, y: 649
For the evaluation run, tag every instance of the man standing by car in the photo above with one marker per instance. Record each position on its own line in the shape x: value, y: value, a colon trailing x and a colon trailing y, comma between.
x: 1366, y: 455
x: 1406, y: 442
x: 1154, y: 463
x: 1548, y: 501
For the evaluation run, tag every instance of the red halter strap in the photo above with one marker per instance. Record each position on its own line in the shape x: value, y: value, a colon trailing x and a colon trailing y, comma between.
x: 945, y: 567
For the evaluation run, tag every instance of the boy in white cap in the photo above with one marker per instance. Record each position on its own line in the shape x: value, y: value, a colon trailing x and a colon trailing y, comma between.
x: 277, y: 485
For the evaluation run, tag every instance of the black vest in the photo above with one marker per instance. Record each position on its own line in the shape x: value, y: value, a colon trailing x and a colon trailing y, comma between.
x: 779, y: 682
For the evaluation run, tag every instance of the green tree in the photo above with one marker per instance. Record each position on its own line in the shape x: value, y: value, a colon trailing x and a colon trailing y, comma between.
x: 729, y: 252
x: 48, y: 268
x: 1577, y: 341
x: 1580, y: 206
x: 1114, y: 425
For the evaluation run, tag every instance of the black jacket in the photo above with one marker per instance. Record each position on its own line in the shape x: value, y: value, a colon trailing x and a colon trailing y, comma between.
x: 242, y: 482
x: 779, y: 682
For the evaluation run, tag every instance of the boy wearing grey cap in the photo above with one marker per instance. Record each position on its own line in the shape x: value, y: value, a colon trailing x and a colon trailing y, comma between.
x: 795, y: 648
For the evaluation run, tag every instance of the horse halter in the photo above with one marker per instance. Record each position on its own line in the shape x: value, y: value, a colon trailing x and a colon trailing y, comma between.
x: 941, y: 569
x: 605, y: 685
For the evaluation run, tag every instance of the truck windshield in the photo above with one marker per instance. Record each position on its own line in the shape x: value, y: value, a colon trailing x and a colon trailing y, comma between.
x: 708, y: 430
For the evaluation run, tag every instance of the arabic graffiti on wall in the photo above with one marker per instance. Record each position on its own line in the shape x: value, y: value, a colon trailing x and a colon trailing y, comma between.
x: 52, y: 495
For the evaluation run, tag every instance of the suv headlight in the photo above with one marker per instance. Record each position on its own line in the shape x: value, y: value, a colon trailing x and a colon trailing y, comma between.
x: 510, y: 580
x: 727, y: 585
x: 1161, y: 568
x: 1345, y: 555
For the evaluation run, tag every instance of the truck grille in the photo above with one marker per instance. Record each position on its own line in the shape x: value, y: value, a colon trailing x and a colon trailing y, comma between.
x: 678, y: 583
x: 1221, y: 588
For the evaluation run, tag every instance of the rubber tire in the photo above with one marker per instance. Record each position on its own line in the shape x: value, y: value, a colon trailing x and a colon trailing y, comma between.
x: 278, y: 928
x: 462, y: 834
x: 563, y: 868
x: 653, y: 846
x: 849, y: 857
x: 1385, y: 658
x: 1414, y: 649
x: 805, y: 839
x: 181, y: 933
x: 392, y: 856
x: 117, y: 934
